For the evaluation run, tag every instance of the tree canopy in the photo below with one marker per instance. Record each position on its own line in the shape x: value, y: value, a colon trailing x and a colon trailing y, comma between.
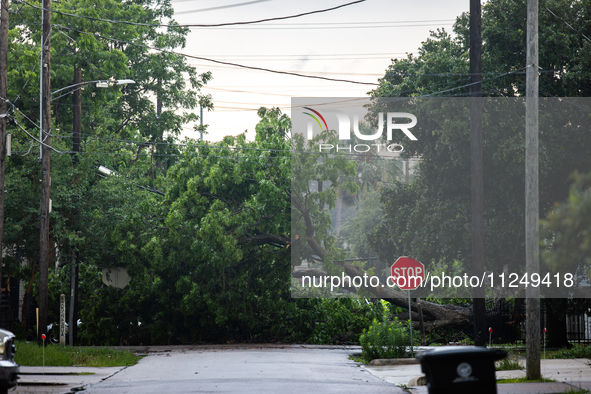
x: 430, y: 219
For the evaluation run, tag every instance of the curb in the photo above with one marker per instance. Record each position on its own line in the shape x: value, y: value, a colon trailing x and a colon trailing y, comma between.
x: 393, y: 361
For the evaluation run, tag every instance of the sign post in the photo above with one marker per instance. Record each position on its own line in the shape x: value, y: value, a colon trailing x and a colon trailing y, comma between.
x: 410, y: 323
x: 62, y: 319
x: 408, y: 274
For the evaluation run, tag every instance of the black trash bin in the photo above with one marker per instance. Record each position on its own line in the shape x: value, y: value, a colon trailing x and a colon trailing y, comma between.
x: 461, y: 369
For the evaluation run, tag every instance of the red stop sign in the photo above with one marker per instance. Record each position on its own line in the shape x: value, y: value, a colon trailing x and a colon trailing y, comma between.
x: 407, y: 273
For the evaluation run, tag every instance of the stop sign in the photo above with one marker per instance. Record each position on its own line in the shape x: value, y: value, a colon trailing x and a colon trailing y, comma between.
x: 408, y: 273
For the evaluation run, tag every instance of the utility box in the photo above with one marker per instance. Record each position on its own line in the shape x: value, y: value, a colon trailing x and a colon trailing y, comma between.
x: 461, y: 369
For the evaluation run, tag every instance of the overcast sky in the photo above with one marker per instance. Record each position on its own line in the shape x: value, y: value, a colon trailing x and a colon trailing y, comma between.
x: 354, y: 43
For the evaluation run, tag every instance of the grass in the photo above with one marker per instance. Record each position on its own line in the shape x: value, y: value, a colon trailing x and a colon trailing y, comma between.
x: 357, y: 359
x: 577, y: 351
x: 510, y: 363
x: 29, y: 354
x: 525, y: 380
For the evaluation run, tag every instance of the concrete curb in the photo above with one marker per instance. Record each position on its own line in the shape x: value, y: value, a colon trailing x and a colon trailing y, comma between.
x: 418, y: 381
x: 393, y: 361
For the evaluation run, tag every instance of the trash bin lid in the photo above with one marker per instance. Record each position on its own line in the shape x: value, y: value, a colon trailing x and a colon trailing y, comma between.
x: 449, y: 352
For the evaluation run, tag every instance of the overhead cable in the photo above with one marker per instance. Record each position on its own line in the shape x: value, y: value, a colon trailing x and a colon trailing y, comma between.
x: 195, y: 25
x: 221, y: 62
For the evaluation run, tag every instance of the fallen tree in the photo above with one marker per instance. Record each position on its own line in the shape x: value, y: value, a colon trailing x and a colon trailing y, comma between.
x: 313, y: 239
x: 434, y: 315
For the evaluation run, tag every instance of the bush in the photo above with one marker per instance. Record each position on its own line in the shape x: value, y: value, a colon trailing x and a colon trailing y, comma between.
x: 327, y: 321
x: 578, y: 351
x: 383, y: 340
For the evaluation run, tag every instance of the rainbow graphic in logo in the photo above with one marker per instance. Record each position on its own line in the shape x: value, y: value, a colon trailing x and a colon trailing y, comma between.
x: 316, y: 119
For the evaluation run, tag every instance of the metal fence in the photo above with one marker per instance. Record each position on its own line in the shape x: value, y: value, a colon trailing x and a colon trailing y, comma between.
x: 578, y: 328
x: 507, y: 319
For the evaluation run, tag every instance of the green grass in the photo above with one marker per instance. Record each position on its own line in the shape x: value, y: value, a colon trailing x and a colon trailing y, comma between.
x: 357, y: 359
x: 577, y: 351
x: 549, y: 353
x: 525, y: 380
x: 510, y: 363
x: 29, y: 354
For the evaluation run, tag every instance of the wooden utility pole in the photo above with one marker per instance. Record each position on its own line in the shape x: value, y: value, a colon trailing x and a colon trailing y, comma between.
x: 3, y: 110
x: 77, y: 126
x: 45, y: 172
x: 77, y: 107
x: 532, y: 242
x: 476, y: 168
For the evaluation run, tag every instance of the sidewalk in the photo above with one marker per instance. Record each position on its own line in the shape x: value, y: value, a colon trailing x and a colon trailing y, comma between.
x: 54, y: 380
x: 570, y: 375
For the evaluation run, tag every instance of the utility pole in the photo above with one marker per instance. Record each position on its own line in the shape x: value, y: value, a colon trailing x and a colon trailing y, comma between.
x: 3, y: 110
x: 77, y: 101
x: 532, y: 243
x: 77, y: 108
x: 476, y: 169
x: 45, y: 172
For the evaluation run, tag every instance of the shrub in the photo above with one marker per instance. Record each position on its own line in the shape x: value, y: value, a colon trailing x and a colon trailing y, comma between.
x: 578, y: 351
x: 383, y: 340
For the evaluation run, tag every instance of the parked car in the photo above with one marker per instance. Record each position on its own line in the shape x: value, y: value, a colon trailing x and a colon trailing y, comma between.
x: 8, y: 368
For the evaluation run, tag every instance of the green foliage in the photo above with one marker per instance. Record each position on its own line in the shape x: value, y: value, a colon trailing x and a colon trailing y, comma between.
x: 90, y: 216
x: 430, y: 219
x: 335, y: 320
x: 31, y: 354
x: 577, y: 351
x: 384, y: 340
x: 567, y: 229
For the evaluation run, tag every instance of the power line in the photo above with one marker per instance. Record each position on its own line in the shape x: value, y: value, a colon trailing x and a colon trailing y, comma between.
x: 222, y: 7
x: 39, y: 141
x: 222, y: 62
x: 313, y: 72
x: 317, y: 27
x: 357, y: 23
x: 550, y: 11
x: 308, y: 55
x: 196, y: 25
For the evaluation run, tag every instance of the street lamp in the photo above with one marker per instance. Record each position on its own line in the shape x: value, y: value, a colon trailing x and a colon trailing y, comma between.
x: 99, y: 84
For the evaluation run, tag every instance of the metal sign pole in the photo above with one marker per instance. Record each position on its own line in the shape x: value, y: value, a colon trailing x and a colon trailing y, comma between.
x: 410, y: 323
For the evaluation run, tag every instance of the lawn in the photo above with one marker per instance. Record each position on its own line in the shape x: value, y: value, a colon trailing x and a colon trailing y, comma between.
x: 30, y: 354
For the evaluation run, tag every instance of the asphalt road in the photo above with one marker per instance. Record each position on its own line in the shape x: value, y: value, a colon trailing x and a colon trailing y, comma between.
x: 251, y: 370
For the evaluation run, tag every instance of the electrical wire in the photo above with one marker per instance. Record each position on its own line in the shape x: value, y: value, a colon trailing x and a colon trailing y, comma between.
x: 317, y: 27
x: 194, y: 25
x: 357, y: 23
x: 550, y: 11
x: 222, y: 62
x: 39, y: 141
x: 221, y: 7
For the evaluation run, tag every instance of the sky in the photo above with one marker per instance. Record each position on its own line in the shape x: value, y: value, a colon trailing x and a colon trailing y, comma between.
x: 355, y: 43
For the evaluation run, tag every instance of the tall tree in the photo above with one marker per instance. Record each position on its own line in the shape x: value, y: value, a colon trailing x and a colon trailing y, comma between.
x: 437, y: 202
